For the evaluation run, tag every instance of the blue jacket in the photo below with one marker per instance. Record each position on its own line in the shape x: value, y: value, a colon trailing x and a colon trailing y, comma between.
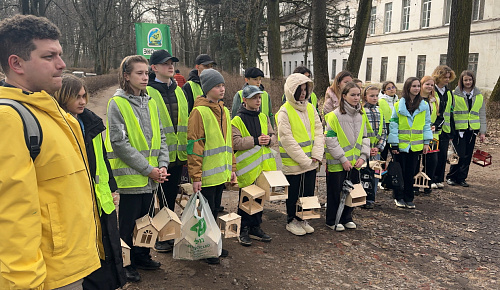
x: 403, y: 111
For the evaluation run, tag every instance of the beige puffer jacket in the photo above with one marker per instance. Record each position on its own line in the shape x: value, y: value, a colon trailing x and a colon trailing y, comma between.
x: 291, y: 146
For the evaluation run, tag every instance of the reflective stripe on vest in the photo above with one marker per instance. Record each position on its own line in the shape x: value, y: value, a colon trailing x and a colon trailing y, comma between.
x: 102, y: 190
x: 385, y: 109
x: 447, y: 112
x: 413, y: 136
x: 351, y: 151
x: 299, y: 133
x: 465, y: 119
x: 264, y: 105
x: 374, y: 137
x: 125, y: 176
x: 195, y: 89
x: 218, y: 153
x: 251, y: 162
x: 434, y: 111
x: 176, y: 141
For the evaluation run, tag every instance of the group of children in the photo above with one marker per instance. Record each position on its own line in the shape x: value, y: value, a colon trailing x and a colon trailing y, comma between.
x: 153, y: 125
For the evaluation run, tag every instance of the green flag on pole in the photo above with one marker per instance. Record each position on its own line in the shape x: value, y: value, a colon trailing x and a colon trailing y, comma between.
x: 150, y: 37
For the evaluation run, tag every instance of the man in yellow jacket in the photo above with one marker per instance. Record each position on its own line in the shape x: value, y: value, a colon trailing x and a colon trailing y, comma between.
x: 48, y: 217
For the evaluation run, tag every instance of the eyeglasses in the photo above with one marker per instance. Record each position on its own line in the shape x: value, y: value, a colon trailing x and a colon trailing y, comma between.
x: 390, y: 88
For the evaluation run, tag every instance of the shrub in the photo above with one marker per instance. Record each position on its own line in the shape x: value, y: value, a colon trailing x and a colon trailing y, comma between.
x: 99, y: 82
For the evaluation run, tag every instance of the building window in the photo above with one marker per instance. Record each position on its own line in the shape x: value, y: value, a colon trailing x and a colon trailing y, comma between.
x: 401, y: 69
x: 387, y: 17
x: 426, y: 13
x: 473, y: 59
x: 373, y: 20
x: 284, y: 68
x: 295, y: 65
x: 289, y: 67
x: 405, y: 19
x: 309, y: 64
x: 301, y: 63
x: 383, y: 69
x: 267, y: 67
x: 344, y: 64
x: 447, y: 12
x: 477, y: 10
x: 442, y: 59
x: 368, y: 76
x: 421, y: 66
x: 334, y: 68
x: 347, y: 21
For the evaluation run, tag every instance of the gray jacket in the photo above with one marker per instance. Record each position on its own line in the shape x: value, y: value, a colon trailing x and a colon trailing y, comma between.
x: 120, y: 143
x: 482, y: 111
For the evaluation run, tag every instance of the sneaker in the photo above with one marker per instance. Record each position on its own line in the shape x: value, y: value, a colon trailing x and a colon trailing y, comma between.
x: 295, y: 228
x: 131, y: 274
x: 434, y: 186
x: 410, y: 205
x: 451, y: 182
x: 148, y: 264
x: 258, y: 234
x: 212, y: 261
x: 368, y: 205
x: 224, y: 253
x: 244, y: 238
x: 338, y: 228
x: 464, y: 184
x: 350, y: 225
x: 416, y: 192
x: 440, y: 185
x: 163, y: 247
x: 400, y: 203
x: 307, y: 227
x: 427, y: 191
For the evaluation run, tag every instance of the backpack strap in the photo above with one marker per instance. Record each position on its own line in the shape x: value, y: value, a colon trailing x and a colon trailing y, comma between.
x: 32, y: 129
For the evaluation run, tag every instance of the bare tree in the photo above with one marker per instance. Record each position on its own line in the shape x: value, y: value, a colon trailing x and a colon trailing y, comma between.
x: 273, y: 40
x: 359, y: 37
x: 320, y: 53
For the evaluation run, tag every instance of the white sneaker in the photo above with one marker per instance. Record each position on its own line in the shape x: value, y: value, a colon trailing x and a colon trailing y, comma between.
x: 380, y: 186
x: 305, y: 225
x: 295, y: 227
x: 338, y: 228
x: 434, y: 186
x: 440, y: 185
x: 350, y: 225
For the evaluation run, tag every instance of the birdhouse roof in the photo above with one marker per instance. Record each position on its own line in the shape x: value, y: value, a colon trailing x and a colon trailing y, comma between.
x: 143, y: 222
x: 309, y: 202
x: 163, y: 217
x: 423, y: 175
x: 187, y: 188
x: 254, y: 190
x: 124, y: 245
x: 275, y: 178
x: 230, y: 216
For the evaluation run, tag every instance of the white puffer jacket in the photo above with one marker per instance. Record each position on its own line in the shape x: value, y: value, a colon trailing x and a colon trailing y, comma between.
x: 291, y: 146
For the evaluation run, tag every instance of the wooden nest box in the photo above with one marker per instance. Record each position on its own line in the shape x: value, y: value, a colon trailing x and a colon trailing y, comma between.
x: 185, y: 190
x: 421, y: 180
x: 453, y: 158
x: 249, y: 199
x: 356, y: 197
x: 145, y: 233
x: 229, y: 225
x: 125, y: 253
x: 274, y: 184
x: 308, y: 207
x: 168, y: 225
x: 481, y: 158
x: 377, y: 166
x: 232, y: 186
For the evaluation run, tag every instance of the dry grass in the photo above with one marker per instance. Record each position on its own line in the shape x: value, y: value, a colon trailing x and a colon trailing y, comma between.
x: 99, y: 82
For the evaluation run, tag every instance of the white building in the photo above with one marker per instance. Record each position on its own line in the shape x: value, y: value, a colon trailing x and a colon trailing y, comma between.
x: 410, y: 38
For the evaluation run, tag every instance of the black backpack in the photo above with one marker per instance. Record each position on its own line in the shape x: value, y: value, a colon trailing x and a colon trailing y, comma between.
x: 32, y: 129
x: 393, y: 177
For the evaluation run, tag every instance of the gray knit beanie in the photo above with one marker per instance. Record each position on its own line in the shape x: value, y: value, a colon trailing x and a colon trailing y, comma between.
x: 209, y: 78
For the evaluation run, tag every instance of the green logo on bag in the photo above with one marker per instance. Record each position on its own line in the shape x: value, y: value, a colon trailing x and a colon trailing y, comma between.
x: 200, y: 227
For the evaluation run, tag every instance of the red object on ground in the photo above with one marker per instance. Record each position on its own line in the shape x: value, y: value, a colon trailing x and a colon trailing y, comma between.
x: 179, y: 79
x: 481, y: 158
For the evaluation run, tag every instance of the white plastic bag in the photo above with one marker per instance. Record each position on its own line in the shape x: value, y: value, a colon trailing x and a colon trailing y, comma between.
x: 200, y: 236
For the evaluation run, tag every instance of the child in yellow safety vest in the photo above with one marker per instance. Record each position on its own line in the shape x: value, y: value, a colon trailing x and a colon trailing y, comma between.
x: 301, y: 141
x: 409, y: 136
x: 137, y: 152
x: 211, y: 161
x: 347, y: 149
x: 253, y: 137
x: 470, y: 121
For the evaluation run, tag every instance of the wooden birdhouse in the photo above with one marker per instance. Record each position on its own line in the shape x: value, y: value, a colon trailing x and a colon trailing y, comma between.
x: 145, y: 233
x: 185, y: 191
x: 232, y: 186
x: 421, y: 180
x: 125, y: 253
x: 229, y: 225
x: 248, y: 199
x: 356, y: 197
x: 453, y: 158
x: 377, y: 166
x: 308, y: 207
x: 433, y: 146
x: 481, y: 158
x: 274, y: 184
x: 168, y: 224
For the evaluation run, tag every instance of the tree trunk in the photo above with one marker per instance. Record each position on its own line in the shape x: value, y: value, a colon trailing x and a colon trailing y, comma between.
x: 308, y: 40
x: 319, y: 48
x: 459, y: 37
x: 495, y: 95
x: 359, y: 37
x: 274, y: 40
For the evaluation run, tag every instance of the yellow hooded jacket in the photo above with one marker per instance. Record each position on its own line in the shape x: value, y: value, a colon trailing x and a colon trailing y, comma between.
x: 48, y: 219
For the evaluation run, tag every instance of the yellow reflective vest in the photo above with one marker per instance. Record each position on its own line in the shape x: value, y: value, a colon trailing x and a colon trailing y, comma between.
x: 434, y: 112
x: 125, y: 176
x: 352, y: 151
x: 250, y: 163
x: 264, y: 105
x: 176, y: 141
x: 411, y: 136
x: 218, y: 153
x: 299, y: 133
x: 101, y: 179
x: 465, y: 118
x: 195, y: 89
x: 385, y: 110
x: 447, y: 112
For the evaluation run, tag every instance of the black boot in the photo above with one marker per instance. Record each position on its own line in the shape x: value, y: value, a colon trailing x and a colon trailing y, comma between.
x: 131, y: 274
x: 244, y: 237
x: 163, y: 247
x: 257, y: 233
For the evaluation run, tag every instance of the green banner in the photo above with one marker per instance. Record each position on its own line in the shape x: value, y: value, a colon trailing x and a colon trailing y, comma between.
x: 150, y: 37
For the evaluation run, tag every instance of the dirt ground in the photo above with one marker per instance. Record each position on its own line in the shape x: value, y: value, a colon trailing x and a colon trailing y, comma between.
x: 450, y: 241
